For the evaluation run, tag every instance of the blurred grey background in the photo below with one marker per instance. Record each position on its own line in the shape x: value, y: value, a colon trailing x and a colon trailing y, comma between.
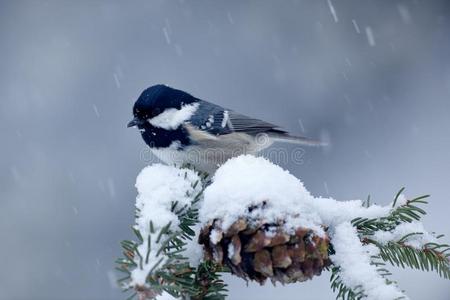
x: 373, y: 76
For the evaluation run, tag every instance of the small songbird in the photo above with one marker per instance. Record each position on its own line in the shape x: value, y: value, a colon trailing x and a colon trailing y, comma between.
x: 180, y: 128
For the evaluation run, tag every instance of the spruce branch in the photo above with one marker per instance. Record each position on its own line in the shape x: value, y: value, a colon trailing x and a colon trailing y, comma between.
x: 431, y: 256
x: 407, y: 212
x: 208, y: 284
x: 290, y: 247
x: 171, y: 273
x: 342, y: 291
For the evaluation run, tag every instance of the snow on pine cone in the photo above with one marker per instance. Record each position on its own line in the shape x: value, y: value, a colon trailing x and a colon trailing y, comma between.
x: 258, y: 251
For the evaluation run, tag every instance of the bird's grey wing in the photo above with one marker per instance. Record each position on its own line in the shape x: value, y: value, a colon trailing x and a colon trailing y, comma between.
x: 243, y: 123
x: 219, y: 121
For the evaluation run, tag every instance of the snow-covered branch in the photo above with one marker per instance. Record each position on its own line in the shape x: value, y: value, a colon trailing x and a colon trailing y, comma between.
x: 260, y: 222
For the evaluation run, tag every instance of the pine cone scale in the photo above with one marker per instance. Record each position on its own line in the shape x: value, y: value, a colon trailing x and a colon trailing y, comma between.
x: 255, y: 250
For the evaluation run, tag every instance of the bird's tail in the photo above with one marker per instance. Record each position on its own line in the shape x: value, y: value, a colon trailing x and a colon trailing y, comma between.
x: 299, y: 140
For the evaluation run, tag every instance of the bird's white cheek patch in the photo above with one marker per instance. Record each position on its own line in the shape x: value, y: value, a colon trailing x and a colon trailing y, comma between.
x: 171, y: 118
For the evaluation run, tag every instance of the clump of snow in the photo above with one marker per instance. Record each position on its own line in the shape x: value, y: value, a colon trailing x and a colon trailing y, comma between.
x: 194, y: 251
x: 356, y: 269
x: 334, y: 212
x: 247, y: 181
x: 215, y: 236
x: 418, y: 238
x: 230, y: 251
x: 159, y: 186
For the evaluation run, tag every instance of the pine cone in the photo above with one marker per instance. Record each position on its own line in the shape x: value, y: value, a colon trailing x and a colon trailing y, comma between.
x: 255, y: 250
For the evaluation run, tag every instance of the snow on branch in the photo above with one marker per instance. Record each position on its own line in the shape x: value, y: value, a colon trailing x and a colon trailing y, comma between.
x: 247, y: 181
x: 357, y: 270
x: 258, y: 221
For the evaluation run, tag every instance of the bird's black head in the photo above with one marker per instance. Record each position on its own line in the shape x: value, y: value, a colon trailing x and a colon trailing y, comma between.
x: 151, y: 103
x: 155, y: 100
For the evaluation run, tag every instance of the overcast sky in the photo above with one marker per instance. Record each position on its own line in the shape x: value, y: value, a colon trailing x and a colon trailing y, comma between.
x: 374, y: 77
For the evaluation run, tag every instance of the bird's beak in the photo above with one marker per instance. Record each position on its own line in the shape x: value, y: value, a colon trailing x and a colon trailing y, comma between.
x: 135, y: 122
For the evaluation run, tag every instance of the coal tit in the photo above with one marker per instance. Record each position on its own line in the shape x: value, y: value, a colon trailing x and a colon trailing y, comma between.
x: 180, y: 128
